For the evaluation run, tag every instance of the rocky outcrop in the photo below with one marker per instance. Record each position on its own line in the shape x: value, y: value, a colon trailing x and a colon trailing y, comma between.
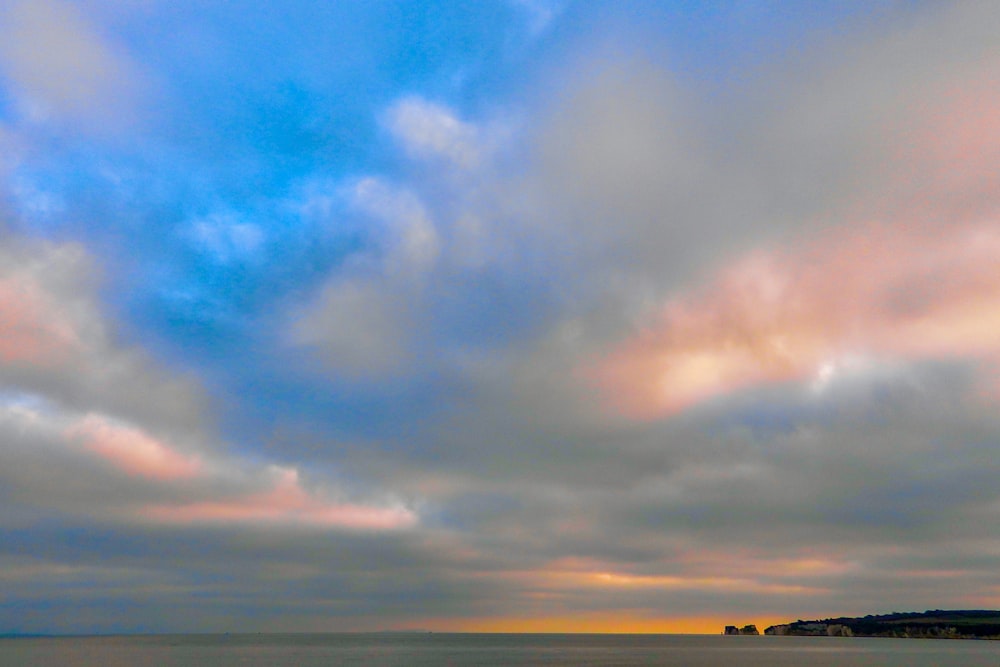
x: 931, y: 624
x: 750, y: 629
x: 838, y: 630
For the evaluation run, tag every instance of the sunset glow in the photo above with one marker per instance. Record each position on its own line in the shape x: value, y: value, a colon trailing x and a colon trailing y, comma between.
x: 623, y: 622
x: 287, y: 503
x: 133, y: 451
x: 900, y: 292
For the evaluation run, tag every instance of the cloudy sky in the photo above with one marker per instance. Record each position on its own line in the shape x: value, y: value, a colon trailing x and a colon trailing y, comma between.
x: 652, y: 315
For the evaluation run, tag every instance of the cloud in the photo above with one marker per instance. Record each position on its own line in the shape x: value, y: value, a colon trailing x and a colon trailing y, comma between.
x: 408, y: 241
x: 356, y: 327
x: 431, y: 131
x: 285, y: 503
x: 56, y: 341
x: 793, y: 296
x: 107, y: 459
x: 644, y: 180
x: 120, y: 437
x: 786, y: 287
x: 226, y: 238
x: 43, y: 441
x: 364, y: 319
x: 30, y: 336
x: 622, y: 177
x: 895, y: 292
x: 540, y: 13
x: 133, y: 451
x: 63, y: 68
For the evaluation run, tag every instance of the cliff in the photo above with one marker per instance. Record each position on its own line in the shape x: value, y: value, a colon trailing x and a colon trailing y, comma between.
x: 937, y: 624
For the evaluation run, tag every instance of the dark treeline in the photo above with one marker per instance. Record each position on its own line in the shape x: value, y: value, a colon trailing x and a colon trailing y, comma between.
x: 957, y: 624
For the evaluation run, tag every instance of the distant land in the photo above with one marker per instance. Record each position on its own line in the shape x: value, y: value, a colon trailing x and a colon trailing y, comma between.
x: 933, y: 623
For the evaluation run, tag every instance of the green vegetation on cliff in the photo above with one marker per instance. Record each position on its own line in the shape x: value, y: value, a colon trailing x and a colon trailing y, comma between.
x: 935, y: 623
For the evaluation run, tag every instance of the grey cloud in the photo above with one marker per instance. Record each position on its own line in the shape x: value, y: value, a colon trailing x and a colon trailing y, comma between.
x: 651, y: 184
x: 78, y: 362
x: 63, y: 68
x: 641, y: 197
x: 876, y: 475
x: 358, y: 327
x: 92, y: 427
x: 82, y: 365
x: 367, y: 315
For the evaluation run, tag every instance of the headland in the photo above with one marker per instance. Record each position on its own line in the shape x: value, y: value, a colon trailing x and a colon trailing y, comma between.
x: 930, y: 624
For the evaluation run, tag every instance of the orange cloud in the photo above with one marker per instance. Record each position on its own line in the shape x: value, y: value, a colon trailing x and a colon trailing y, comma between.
x: 285, y: 503
x: 133, y: 451
x: 574, y: 574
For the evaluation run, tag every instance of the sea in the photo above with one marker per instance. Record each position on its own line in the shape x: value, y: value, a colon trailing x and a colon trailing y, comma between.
x: 486, y: 650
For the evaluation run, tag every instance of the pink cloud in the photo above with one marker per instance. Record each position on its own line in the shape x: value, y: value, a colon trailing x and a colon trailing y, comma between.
x: 946, y: 155
x: 915, y: 275
x: 898, y: 291
x: 286, y: 503
x: 30, y: 332
x: 133, y: 451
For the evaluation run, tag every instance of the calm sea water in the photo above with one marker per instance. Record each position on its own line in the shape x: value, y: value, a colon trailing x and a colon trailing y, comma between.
x: 482, y: 650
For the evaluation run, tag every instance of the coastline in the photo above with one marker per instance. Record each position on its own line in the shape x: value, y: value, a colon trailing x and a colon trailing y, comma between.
x: 930, y: 624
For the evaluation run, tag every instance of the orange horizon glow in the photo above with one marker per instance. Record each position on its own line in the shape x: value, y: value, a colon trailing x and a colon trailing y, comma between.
x: 606, y: 623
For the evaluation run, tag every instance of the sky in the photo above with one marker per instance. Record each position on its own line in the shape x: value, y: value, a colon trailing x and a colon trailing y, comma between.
x: 511, y: 315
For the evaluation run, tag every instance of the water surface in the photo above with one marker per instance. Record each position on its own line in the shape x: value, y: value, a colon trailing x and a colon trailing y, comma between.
x: 485, y: 650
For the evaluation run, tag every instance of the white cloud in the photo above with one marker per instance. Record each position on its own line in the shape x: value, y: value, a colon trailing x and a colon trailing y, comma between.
x: 408, y: 241
x: 540, y: 13
x: 226, y: 237
x: 431, y: 131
